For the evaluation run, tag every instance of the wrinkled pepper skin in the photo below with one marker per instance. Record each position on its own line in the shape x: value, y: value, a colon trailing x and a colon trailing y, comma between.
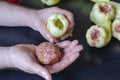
x: 101, y: 12
x: 99, y: 35
x: 116, y: 22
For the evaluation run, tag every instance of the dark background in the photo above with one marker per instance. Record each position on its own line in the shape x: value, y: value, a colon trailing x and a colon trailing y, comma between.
x: 93, y: 64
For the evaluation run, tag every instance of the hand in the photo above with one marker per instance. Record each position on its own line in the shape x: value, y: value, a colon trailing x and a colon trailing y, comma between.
x: 71, y: 51
x: 39, y: 20
x: 23, y: 57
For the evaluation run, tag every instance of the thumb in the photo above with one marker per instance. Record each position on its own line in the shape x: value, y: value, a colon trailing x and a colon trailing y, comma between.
x: 49, y: 37
x: 63, y: 44
x: 41, y: 71
x: 46, y: 34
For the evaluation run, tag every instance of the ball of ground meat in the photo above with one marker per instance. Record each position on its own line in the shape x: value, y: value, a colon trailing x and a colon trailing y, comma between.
x: 48, y: 53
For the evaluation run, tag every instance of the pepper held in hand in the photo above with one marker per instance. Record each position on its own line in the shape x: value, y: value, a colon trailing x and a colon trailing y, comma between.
x: 57, y: 25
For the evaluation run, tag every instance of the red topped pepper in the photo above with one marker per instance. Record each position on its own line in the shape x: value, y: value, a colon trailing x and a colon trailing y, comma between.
x: 14, y: 1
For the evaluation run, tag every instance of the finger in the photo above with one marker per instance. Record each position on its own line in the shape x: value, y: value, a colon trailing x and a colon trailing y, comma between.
x: 46, y: 34
x: 71, y: 23
x: 63, y: 63
x: 69, y: 16
x: 73, y: 43
x: 76, y: 49
x: 65, y: 36
x: 41, y: 71
x: 63, y: 44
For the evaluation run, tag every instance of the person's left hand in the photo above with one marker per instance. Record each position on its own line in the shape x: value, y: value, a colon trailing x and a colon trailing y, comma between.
x: 39, y: 19
x: 23, y: 57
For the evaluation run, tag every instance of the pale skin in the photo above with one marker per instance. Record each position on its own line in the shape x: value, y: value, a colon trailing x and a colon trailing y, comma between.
x: 12, y: 15
x: 23, y: 56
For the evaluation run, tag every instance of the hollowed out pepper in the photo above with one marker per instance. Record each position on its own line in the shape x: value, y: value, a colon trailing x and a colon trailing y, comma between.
x: 101, y: 12
x: 116, y: 22
x: 99, y: 35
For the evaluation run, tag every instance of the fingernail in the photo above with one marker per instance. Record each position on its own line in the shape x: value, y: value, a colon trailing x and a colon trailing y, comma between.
x: 50, y: 38
x: 48, y: 77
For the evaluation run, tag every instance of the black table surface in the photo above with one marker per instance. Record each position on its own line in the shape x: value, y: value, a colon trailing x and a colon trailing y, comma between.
x: 93, y: 64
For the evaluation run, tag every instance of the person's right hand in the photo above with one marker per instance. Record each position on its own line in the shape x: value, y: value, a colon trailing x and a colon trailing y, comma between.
x: 23, y: 57
x: 39, y: 19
